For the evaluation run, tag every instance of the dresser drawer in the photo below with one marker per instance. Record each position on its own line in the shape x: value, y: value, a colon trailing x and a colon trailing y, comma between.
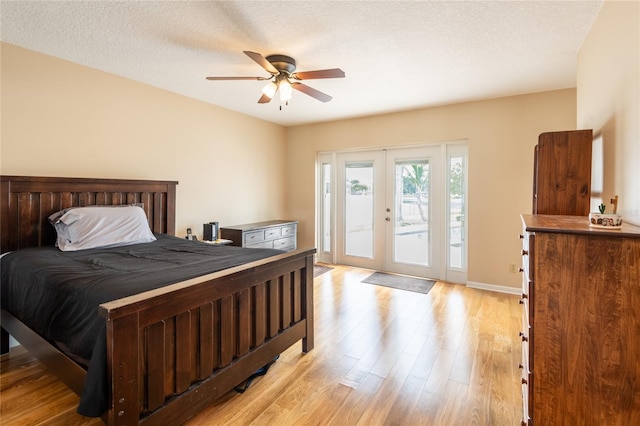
x: 253, y: 237
x: 289, y: 231
x: 272, y: 233
x: 285, y: 243
x: 261, y: 244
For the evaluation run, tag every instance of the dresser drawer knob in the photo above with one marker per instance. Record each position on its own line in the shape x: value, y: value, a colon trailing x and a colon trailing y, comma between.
x: 524, y: 296
x: 524, y: 338
x: 524, y: 381
x: 520, y: 269
x: 521, y: 236
x: 525, y: 252
x: 520, y: 366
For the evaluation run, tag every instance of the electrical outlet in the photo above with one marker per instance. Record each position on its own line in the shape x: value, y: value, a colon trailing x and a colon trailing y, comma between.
x: 513, y: 267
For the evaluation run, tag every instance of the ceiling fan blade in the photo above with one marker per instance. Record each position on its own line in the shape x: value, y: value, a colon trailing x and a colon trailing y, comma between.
x: 264, y: 99
x: 322, y: 97
x: 329, y: 73
x: 262, y: 62
x: 236, y: 78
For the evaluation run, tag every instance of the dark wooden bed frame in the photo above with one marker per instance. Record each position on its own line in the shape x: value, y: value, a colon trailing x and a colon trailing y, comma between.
x: 170, y: 351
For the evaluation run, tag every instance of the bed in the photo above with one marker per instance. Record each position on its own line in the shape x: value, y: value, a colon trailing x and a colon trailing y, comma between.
x: 170, y: 351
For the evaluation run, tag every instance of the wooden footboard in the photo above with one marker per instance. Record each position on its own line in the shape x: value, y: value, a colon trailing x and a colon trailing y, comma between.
x: 173, y: 350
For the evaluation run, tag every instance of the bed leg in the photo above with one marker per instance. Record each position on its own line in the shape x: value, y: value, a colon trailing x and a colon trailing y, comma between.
x: 4, y: 341
x: 308, y: 340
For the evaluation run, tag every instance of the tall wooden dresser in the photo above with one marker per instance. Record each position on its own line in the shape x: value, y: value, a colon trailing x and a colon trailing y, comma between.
x: 581, y: 322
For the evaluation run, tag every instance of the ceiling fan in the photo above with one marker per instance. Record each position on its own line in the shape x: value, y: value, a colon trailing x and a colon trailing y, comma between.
x: 284, y: 78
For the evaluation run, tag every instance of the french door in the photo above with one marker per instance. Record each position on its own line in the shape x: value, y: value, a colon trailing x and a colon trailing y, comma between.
x: 388, y: 210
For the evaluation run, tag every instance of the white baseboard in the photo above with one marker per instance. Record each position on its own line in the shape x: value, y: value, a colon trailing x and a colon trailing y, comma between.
x: 496, y: 288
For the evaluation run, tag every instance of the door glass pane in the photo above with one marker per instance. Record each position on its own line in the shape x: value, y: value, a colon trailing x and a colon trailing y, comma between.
x: 358, y: 214
x: 411, y: 224
x: 456, y: 211
x: 326, y: 207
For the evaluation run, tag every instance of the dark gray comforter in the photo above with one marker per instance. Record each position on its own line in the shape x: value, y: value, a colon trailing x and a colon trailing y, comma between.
x: 57, y: 293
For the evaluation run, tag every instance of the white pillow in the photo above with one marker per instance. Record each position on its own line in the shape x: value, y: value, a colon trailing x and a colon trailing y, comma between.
x: 83, y: 228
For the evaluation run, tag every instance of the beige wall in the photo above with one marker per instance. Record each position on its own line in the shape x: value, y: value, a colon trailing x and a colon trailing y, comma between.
x: 609, y: 99
x: 501, y: 134
x: 63, y: 119
x: 60, y: 118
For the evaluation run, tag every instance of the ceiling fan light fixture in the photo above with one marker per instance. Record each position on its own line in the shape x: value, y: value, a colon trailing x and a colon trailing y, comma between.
x: 270, y: 89
x: 286, y: 91
x: 282, y: 69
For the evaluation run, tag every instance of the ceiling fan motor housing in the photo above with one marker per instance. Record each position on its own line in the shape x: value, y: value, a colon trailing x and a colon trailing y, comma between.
x: 282, y: 63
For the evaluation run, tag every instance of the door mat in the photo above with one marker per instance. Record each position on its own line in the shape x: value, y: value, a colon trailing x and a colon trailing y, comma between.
x: 417, y: 285
x: 319, y: 270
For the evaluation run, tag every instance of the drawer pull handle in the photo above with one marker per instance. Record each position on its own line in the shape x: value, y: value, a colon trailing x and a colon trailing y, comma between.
x: 525, y: 252
x: 524, y: 381
x: 524, y: 296
x: 520, y: 269
x: 521, y: 236
x: 520, y: 366
x: 521, y: 301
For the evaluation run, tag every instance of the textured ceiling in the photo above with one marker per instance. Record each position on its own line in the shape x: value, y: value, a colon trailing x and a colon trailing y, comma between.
x: 397, y: 55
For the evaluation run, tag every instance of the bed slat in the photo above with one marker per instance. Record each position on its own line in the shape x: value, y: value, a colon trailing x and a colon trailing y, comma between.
x: 260, y: 315
x: 274, y: 310
x: 286, y: 301
x: 156, y: 365
x: 226, y: 330
x: 243, y: 332
x: 206, y: 341
x: 183, y: 351
x: 296, y: 296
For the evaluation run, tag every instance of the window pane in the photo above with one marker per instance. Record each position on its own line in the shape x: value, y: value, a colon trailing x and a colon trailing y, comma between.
x: 326, y: 207
x: 411, y: 225
x: 359, y: 209
x: 456, y: 212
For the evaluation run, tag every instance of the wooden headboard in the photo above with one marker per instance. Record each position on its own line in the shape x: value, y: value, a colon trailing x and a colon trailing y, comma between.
x: 27, y: 201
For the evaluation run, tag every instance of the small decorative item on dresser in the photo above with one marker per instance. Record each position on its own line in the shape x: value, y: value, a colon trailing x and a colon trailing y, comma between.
x: 606, y: 220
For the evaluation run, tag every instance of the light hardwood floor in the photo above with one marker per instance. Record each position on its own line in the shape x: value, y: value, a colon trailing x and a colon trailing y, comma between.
x: 382, y: 357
